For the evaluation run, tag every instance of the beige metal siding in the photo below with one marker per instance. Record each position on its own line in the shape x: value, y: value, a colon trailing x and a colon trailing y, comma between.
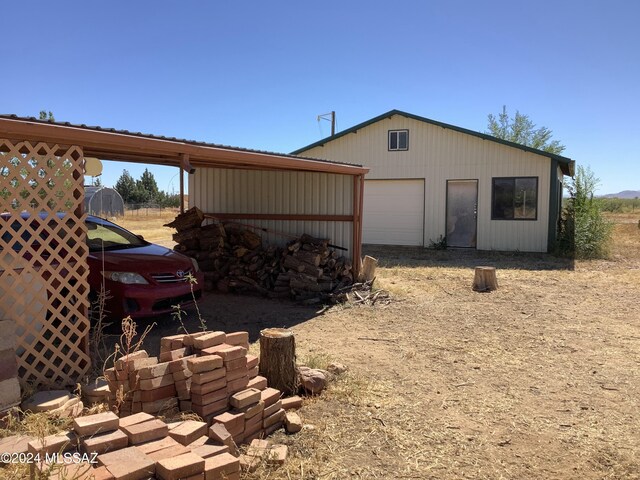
x: 438, y: 154
x: 216, y: 190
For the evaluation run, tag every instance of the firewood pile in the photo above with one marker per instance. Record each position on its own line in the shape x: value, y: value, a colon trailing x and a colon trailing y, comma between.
x: 234, y: 259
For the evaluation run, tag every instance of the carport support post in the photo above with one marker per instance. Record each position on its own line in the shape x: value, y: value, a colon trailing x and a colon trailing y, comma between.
x: 358, y: 198
x: 185, y: 166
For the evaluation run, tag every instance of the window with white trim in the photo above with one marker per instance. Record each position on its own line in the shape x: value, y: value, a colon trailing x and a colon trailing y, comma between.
x: 398, y: 140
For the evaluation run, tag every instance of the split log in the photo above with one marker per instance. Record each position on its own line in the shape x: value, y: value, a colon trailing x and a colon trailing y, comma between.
x: 192, y: 218
x: 308, y: 257
x: 294, y: 264
x: 368, y: 273
x: 278, y: 359
x: 485, y: 279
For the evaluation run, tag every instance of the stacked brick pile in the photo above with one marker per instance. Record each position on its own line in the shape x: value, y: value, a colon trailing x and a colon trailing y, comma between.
x: 208, y: 373
x: 135, y: 447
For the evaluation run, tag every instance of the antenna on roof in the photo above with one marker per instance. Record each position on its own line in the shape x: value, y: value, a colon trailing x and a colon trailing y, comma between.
x: 329, y: 117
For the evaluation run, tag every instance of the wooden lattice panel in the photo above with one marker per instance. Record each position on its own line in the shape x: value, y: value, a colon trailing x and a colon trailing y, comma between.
x: 43, y: 260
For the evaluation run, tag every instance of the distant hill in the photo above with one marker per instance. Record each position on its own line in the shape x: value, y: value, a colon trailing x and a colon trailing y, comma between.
x: 624, y: 194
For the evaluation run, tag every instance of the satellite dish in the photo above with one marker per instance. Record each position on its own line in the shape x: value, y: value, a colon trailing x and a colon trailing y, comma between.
x: 92, y: 166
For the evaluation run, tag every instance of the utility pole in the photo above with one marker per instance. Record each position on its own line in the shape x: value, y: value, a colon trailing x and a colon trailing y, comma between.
x: 330, y: 117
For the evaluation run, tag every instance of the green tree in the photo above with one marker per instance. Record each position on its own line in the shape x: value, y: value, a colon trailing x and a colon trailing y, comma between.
x: 584, y: 232
x: 44, y: 115
x: 520, y: 129
x: 126, y: 187
x: 147, y: 187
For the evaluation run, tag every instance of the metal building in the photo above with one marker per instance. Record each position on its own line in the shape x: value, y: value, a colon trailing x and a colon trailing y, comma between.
x: 429, y: 180
x: 103, y: 202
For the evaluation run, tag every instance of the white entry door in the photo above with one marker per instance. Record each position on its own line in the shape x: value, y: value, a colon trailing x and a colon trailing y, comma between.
x: 462, y: 213
x: 393, y: 212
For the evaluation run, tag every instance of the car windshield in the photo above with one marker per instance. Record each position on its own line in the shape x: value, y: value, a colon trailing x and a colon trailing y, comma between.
x: 107, y: 236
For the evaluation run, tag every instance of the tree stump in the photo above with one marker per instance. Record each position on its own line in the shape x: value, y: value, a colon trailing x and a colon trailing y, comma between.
x: 278, y: 359
x: 485, y: 279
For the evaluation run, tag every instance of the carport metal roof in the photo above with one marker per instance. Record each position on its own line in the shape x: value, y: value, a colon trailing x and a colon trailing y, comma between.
x: 123, y: 145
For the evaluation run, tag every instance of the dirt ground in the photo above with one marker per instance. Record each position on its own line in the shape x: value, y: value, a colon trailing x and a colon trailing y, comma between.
x: 539, y: 379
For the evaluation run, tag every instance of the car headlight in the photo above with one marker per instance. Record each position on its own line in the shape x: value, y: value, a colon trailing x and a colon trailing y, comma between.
x: 128, y: 278
x: 196, y: 268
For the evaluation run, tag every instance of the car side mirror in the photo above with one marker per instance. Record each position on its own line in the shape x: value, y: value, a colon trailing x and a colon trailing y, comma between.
x: 140, y: 237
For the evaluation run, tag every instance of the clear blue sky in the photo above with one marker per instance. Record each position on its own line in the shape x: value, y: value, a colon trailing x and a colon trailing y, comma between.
x: 256, y: 74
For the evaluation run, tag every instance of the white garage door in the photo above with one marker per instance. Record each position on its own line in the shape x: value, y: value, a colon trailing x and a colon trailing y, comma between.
x: 393, y: 212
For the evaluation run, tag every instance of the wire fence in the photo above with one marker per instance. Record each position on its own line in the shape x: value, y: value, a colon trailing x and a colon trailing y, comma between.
x: 147, y: 209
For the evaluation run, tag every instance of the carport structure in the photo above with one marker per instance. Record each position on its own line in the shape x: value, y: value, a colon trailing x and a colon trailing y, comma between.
x: 42, y: 169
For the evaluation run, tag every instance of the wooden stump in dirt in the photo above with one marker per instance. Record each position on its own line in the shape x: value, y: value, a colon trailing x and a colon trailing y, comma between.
x: 485, y: 279
x: 278, y: 359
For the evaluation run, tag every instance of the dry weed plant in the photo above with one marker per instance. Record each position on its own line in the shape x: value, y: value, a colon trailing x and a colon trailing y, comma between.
x: 127, y: 346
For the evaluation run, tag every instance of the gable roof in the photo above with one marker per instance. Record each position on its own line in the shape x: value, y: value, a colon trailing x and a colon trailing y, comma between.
x: 124, y: 145
x: 566, y: 164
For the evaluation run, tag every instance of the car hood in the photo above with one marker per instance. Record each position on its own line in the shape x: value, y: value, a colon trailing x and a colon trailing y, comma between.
x: 147, y: 259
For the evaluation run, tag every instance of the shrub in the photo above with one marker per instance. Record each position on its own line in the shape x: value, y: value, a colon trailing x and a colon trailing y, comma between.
x: 584, y: 232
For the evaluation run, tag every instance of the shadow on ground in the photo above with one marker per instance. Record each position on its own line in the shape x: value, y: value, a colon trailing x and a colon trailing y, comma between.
x: 225, y: 312
x: 393, y: 256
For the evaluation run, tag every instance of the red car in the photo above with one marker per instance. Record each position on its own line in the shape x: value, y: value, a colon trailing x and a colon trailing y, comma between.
x: 142, y: 279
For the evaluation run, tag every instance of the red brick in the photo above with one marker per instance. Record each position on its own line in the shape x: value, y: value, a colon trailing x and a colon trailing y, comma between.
x: 237, y: 338
x: 159, y: 405
x: 180, y: 364
x: 104, y: 443
x: 271, y: 409
x: 257, y: 382
x: 94, y: 424
x: 121, y: 363
x: 236, y: 374
x: 209, y: 398
x: 292, y: 422
x: 207, y: 377
x: 219, y: 433
x: 234, y: 386
x: 254, y: 372
x: 273, y: 419
x: 167, y: 341
x: 101, y: 473
x: 168, y: 452
x: 179, y: 467
x: 182, y: 375
x: 146, y: 431
x: 270, y: 396
x: 133, y: 419
x: 277, y: 454
x: 199, y: 476
x: 128, y: 463
x: 156, y: 445
x: 234, y: 363
x: 185, y: 405
x: 250, y: 430
x: 215, y: 349
x: 291, y: 402
x: 189, y: 339
x: 157, y: 382
x: 153, y: 371
x: 252, y: 410
x: 252, y: 422
x: 218, y: 466
x: 161, y: 393
x: 209, y: 339
x: 188, y: 431
x: 252, y: 361
x: 232, y: 353
x: 204, y: 388
x: 276, y: 426
x: 174, y: 354
x: 183, y: 384
x: 230, y: 420
x: 207, y: 450
x: 204, y: 364
x: 212, y: 408
x: 54, y: 443
x: 245, y: 398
